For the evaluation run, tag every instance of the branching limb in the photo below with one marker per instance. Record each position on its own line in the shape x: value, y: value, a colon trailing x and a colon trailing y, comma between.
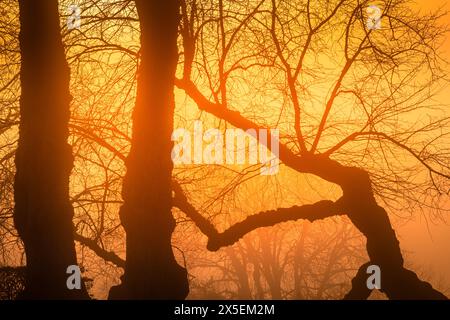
x: 99, y: 251
x: 319, y: 210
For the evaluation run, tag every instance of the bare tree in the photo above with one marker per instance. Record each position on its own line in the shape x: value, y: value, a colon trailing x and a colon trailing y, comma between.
x: 43, y: 213
x: 378, y: 71
x: 151, y: 271
x: 256, y: 64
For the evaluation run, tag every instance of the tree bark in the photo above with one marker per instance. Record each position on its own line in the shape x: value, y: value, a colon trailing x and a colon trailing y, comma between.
x: 43, y: 213
x: 151, y: 271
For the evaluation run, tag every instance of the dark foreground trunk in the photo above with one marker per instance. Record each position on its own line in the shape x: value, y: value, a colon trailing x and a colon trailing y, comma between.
x: 43, y: 213
x: 151, y: 271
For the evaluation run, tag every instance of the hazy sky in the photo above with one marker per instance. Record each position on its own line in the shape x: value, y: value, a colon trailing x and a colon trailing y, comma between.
x: 428, y: 244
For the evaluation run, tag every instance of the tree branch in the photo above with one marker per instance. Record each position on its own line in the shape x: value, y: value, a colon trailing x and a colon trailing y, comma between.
x: 102, y: 253
x: 319, y: 210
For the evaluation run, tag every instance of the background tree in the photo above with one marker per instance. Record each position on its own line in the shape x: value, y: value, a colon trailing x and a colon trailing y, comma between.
x: 43, y: 213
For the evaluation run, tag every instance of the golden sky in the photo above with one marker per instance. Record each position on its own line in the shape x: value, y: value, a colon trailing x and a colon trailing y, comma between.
x: 428, y: 244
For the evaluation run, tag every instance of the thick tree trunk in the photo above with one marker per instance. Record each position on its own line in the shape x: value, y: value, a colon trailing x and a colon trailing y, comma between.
x: 151, y: 271
x: 43, y: 213
x: 383, y: 248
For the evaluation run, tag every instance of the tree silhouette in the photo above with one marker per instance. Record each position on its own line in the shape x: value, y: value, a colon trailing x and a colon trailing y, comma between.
x: 278, y: 40
x: 43, y: 213
x: 355, y: 111
x: 151, y: 271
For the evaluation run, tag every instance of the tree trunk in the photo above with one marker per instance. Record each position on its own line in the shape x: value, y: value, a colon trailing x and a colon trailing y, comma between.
x: 383, y: 248
x: 43, y: 213
x: 151, y: 271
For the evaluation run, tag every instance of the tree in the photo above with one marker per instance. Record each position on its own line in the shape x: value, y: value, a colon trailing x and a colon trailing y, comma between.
x: 380, y: 77
x: 231, y: 67
x: 43, y: 212
x: 151, y: 271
